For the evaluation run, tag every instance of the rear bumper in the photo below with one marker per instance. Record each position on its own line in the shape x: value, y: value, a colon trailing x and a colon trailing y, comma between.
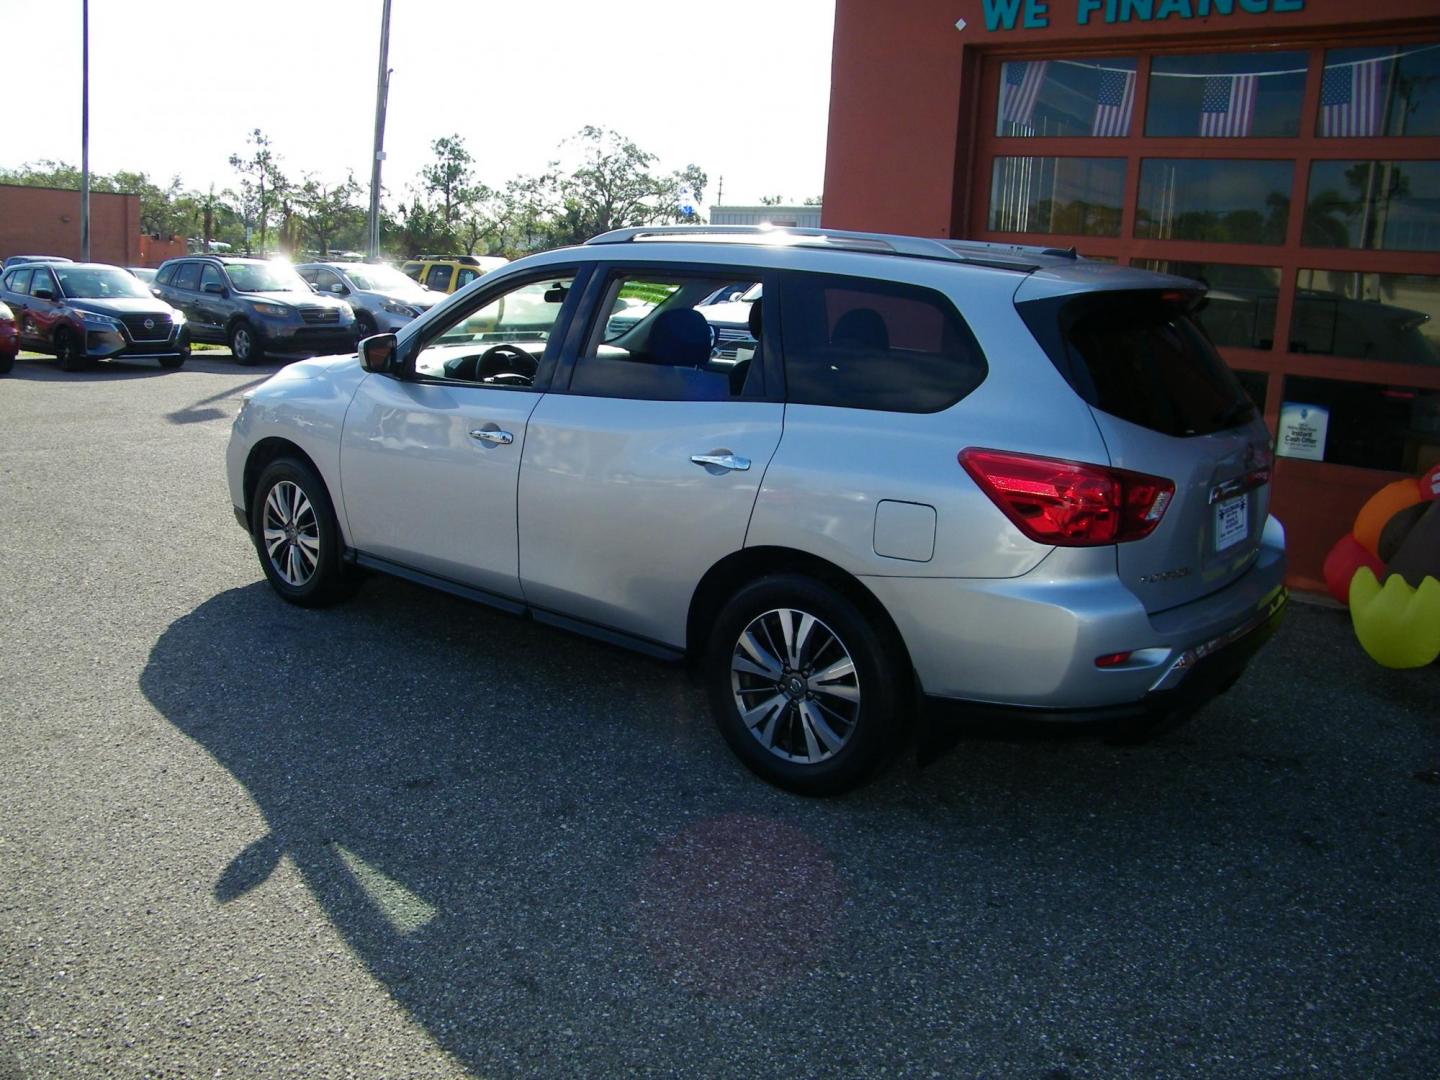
x: 1030, y: 643
x: 1199, y: 675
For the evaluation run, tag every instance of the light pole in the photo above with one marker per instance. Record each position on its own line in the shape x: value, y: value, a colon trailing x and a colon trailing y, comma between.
x: 85, y: 130
x: 382, y: 91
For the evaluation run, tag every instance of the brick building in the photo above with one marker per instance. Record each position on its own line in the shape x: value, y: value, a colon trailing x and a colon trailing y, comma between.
x: 1285, y: 152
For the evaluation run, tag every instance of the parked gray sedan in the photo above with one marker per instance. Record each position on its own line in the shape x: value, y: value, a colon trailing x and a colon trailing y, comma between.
x: 1004, y: 476
x: 384, y: 299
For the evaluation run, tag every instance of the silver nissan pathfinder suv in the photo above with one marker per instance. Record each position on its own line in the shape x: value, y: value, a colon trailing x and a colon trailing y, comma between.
x: 1003, y: 476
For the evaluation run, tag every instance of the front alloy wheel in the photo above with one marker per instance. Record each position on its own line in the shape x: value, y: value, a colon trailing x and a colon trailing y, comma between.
x: 291, y: 534
x: 296, y: 535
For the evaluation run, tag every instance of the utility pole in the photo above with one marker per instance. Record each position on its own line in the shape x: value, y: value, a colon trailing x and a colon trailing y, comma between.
x: 85, y: 130
x: 382, y: 92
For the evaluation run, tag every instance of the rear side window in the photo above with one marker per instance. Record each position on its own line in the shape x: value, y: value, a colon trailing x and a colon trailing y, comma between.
x: 864, y: 344
x: 438, y: 278
x: 188, y: 277
x: 1143, y: 357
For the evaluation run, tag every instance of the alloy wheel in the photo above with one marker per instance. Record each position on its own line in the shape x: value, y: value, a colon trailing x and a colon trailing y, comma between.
x: 291, y: 533
x: 795, y: 686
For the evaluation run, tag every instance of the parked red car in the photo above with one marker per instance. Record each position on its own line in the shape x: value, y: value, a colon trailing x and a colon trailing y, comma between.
x: 9, y: 339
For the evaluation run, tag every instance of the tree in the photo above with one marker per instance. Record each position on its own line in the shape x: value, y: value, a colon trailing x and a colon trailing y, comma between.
x: 772, y: 200
x: 615, y: 186
x: 327, y: 210
x: 450, y: 178
x: 262, y: 184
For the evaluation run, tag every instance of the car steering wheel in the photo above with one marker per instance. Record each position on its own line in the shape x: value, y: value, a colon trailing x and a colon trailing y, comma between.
x: 506, y: 363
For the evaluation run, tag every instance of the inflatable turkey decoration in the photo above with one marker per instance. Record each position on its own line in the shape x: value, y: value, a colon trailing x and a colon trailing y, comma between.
x: 1388, y: 571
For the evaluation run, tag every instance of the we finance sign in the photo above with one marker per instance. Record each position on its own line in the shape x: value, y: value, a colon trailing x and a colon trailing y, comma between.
x: 1036, y: 15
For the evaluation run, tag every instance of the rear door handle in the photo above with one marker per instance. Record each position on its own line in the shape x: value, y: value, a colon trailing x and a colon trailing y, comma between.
x: 499, y: 438
x: 728, y: 462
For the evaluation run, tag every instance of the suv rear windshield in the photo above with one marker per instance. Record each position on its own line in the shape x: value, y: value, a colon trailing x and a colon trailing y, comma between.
x: 1143, y: 357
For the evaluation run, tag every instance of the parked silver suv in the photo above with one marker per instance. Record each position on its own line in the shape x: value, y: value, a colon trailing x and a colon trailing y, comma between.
x: 1001, y: 475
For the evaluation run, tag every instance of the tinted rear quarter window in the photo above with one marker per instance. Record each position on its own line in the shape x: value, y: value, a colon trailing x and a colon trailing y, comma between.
x: 1143, y: 357
x: 863, y: 344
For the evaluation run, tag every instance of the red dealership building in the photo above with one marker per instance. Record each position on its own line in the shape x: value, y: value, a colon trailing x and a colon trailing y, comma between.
x: 1285, y: 152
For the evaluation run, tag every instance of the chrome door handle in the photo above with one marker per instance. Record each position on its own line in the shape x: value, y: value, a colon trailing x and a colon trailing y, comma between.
x: 728, y: 462
x: 499, y: 438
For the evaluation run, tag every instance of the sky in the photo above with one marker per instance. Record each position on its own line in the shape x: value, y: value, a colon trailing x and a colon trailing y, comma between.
x: 741, y: 89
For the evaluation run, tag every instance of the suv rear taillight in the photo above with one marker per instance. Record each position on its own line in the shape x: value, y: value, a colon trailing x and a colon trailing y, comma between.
x: 1069, y: 503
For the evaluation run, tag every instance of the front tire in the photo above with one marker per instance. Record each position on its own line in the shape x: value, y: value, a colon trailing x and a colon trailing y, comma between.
x: 805, y: 689
x: 365, y: 325
x: 68, y: 351
x: 292, y: 523
x: 244, y: 345
x: 7, y: 362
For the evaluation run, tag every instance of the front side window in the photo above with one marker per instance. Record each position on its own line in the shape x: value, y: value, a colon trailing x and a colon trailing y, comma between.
x: 862, y: 344
x: 188, y: 276
x: 325, y: 279
x: 43, y: 282
x: 656, y: 338
x: 210, y: 276
x: 501, y: 343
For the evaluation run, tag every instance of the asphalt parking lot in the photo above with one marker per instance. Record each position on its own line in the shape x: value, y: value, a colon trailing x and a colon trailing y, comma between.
x: 412, y: 837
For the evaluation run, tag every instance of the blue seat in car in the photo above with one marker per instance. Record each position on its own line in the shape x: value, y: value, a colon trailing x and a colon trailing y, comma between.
x: 679, y: 338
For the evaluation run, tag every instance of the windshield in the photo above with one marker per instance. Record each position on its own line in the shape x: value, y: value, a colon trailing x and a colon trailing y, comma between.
x: 382, y: 279
x: 265, y: 277
x: 98, y: 283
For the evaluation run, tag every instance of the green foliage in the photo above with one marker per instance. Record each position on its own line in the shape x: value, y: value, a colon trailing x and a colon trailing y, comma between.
x: 609, y: 183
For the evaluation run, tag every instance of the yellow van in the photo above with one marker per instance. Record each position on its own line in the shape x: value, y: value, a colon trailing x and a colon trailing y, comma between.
x: 448, y: 273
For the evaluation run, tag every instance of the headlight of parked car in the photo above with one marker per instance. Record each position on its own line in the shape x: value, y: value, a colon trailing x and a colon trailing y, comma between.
x: 396, y: 308
x: 5, y: 312
x: 99, y: 322
x: 347, y: 313
x: 178, y: 317
x: 275, y: 311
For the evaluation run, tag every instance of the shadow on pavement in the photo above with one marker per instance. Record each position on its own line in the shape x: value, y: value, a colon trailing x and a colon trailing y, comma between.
x: 543, y: 851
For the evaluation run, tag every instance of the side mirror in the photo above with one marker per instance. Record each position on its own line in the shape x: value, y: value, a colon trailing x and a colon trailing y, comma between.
x: 377, y: 353
x: 339, y: 290
x: 215, y: 287
x: 43, y: 294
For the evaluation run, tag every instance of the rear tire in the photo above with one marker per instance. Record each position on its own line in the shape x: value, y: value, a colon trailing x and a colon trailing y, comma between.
x: 296, y: 535
x: 7, y: 362
x: 68, y: 352
x: 244, y: 345
x: 807, y: 691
